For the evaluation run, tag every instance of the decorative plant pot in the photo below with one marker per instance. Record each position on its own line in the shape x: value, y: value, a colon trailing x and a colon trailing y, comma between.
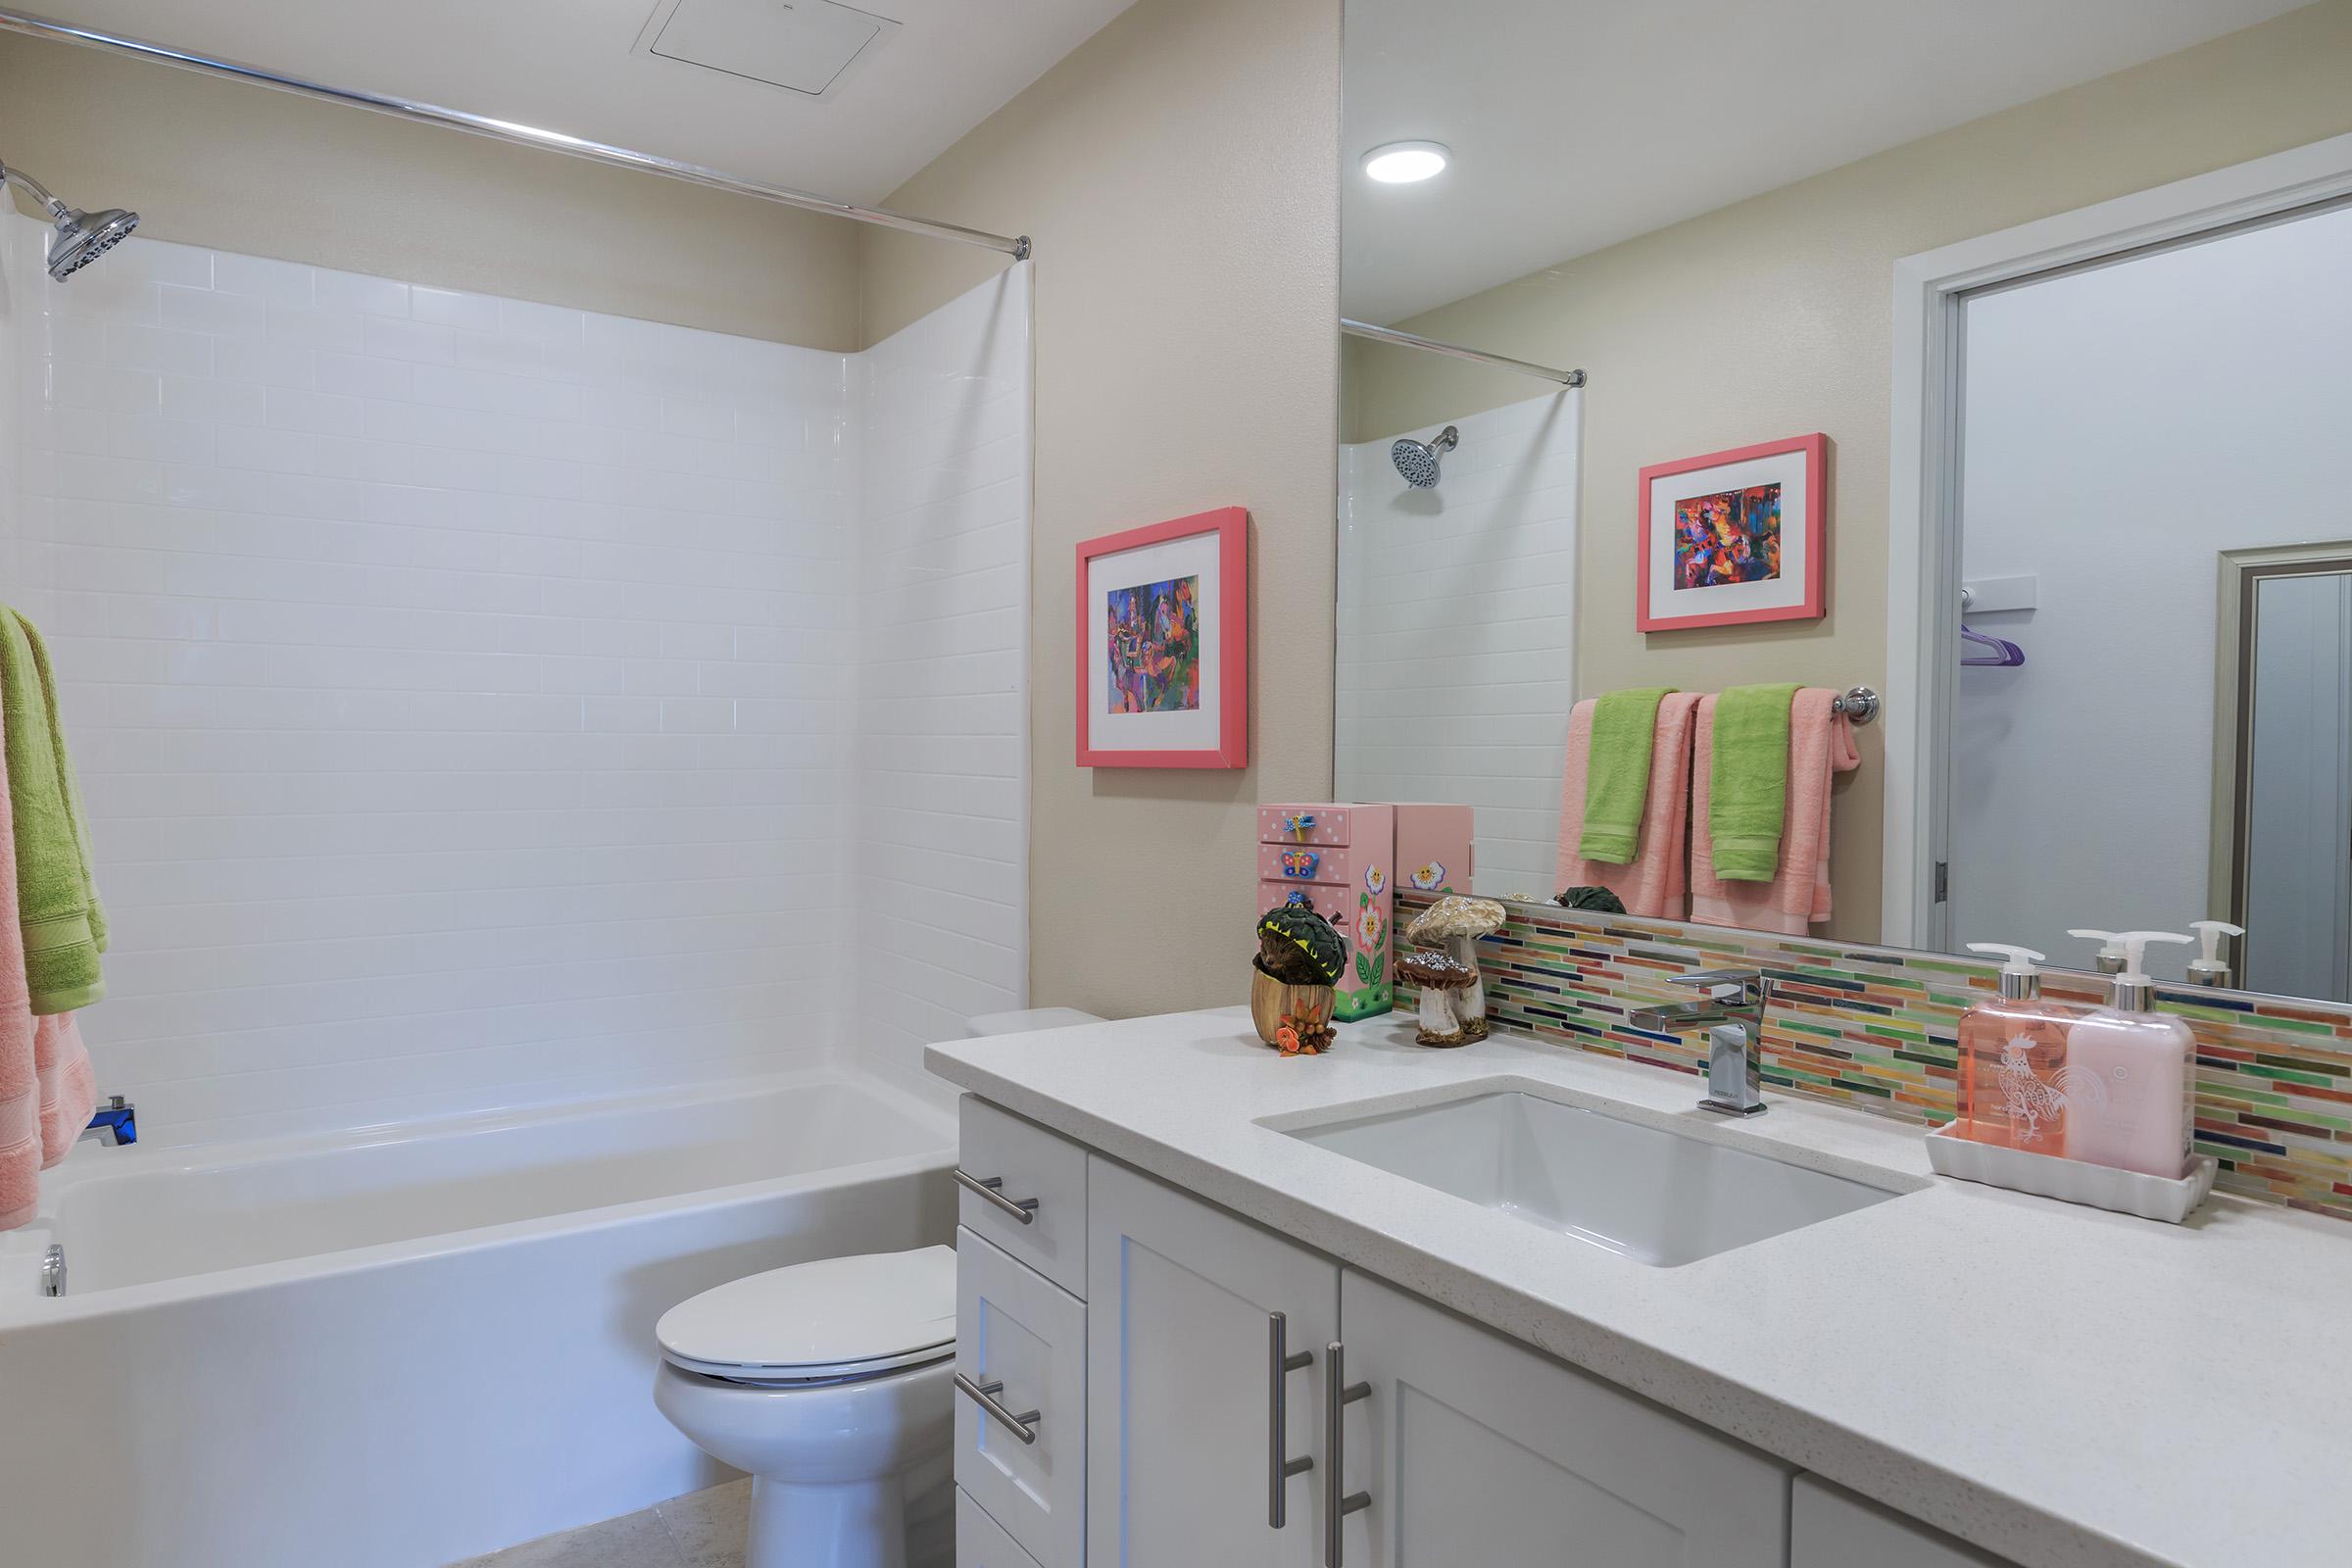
x: 1273, y: 1005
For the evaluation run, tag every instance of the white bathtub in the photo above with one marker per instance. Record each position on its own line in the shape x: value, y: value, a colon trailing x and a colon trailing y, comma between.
x: 399, y: 1347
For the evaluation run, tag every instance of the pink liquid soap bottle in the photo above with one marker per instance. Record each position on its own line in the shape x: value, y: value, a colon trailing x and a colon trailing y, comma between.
x: 2130, y: 1074
x: 2014, y: 1077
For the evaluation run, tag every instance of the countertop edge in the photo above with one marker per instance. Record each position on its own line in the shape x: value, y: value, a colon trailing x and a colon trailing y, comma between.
x: 1959, y: 1504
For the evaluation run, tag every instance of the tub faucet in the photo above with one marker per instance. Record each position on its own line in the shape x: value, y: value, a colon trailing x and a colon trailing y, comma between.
x: 1734, y: 1007
x: 115, y: 1123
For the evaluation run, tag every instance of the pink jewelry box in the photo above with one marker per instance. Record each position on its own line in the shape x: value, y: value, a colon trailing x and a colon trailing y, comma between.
x: 1337, y: 860
x: 1436, y: 847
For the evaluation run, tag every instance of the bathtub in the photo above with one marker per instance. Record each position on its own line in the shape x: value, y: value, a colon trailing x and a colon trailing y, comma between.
x: 398, y: 1347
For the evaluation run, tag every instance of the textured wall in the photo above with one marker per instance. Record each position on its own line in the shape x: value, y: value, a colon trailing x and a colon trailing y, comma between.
x: 1771, y: 317
x: 474, y: 698
x: 1457, y: 624
x: 940, y: 819
x: 1179, y: 174
x: 243, y: 169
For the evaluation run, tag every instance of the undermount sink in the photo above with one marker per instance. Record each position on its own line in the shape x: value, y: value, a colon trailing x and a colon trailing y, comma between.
x: 1657, y: 1197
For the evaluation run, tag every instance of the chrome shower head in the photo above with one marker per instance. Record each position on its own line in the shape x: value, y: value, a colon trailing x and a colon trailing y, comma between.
x: 1418, y: 461
x: 81, y: 237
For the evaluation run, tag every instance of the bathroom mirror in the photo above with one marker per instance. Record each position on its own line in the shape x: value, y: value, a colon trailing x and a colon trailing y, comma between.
x: 2062, y: 293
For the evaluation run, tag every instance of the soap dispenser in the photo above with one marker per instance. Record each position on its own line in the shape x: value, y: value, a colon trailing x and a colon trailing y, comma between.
x: 2012, y: 1060
x: 2209, y: 968
x: 2128, y: 1077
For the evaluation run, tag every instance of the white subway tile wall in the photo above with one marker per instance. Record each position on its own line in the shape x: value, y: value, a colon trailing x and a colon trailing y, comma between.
x: 940, y: 853
x: 1458, y: 631
x: 467, y: 691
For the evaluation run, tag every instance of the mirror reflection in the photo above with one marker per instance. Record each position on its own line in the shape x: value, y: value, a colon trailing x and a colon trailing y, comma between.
x: 1989, y: 362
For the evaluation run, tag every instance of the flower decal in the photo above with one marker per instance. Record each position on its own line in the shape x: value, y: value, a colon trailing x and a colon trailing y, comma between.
x: 1370, y: 930
x: 1376, y: 880
x: 1427, y: 878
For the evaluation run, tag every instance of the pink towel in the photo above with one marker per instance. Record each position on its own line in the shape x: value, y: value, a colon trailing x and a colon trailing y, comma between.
x: 47, y: 1090
x: 1820, y: 743
x: 1651, y: 883
x: 21, y: 1152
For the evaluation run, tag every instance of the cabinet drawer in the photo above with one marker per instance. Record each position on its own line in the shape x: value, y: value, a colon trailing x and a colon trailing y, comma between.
x: 1829, y: 1527
x: 981, y: 1542
x: 1329, y: 827
x: 1029, y: 1163
x: 1021, y: 1338
x: 1303, y: 862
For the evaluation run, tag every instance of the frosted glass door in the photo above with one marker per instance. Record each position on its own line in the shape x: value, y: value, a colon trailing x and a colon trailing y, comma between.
x: 2299, y: 790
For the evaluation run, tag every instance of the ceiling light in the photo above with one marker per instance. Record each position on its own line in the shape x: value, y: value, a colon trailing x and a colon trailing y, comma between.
x: 1402, y: 163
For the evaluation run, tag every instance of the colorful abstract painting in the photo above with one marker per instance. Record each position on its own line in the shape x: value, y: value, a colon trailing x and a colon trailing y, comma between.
x: 1730, y: 536
x: 1153, y: 637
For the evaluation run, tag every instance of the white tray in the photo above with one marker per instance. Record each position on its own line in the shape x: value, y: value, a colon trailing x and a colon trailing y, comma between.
x: 2075, y: 1181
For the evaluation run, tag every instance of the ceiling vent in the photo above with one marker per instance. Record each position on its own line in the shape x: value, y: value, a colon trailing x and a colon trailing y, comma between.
x: 808, y: 47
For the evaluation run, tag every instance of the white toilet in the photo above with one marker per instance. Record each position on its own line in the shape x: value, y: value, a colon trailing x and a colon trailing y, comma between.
x: 830, y: 1383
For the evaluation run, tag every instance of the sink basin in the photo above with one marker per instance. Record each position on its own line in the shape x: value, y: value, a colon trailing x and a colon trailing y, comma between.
x: 1657, y: 1197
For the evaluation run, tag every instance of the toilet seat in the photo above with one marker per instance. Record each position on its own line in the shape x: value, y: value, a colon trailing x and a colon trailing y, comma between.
x: 833, y: 1320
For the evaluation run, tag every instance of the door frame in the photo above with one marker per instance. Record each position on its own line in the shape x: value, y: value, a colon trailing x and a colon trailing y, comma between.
x: 2240, y: 573
x: 1923, y: 543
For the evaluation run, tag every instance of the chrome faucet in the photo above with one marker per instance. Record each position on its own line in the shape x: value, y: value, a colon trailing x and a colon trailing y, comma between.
x: 1735, y: 1007
x: 115, y: 1123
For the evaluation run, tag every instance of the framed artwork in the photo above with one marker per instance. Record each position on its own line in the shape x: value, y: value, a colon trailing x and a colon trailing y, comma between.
x: 1734, y: 536
x: 1164, y: 644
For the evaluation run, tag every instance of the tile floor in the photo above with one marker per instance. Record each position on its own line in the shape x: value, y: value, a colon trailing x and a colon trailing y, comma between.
x: 700, y: 1530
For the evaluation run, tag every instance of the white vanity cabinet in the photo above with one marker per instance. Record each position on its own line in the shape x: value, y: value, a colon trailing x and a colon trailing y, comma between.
x: 1474, y: 1448
x: 1829, y: 1527
x: 1181, y: 1385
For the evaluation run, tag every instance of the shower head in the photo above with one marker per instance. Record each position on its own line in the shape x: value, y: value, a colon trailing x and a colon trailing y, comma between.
x: 81, y: 237
x: 1418, y: 461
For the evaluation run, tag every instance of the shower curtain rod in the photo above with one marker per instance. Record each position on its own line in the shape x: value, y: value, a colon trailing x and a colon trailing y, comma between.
x: 1414, y: 340
x: 31, y: 27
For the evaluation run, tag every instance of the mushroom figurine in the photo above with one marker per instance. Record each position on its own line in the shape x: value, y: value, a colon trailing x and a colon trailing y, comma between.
x: 1442, y: 982
x: 1453, y: 924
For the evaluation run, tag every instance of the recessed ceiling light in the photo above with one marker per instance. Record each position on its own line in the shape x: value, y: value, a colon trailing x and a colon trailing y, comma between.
x: 1401, y: 162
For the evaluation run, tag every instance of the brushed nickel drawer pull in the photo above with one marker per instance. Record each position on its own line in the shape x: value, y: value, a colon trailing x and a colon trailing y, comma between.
x: 1280, y: 1466
x: 1022, y: 1209
x: 983, y: 1395
x: 1338, y: 1394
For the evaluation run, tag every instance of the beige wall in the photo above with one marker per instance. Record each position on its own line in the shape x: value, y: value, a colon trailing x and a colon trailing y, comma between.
x: 1771, y: 318
x: 1180, y: 174
x: 237, y: 166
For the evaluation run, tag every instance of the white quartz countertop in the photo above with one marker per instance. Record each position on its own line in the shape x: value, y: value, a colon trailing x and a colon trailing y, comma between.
x: 2061, y: 1386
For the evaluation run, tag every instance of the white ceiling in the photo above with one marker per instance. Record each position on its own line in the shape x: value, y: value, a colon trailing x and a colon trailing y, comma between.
x: 1578, y: 123
x: 571, y: 66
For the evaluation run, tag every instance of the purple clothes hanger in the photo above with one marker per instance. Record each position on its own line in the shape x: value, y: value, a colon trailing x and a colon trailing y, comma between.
x: 2005, y: 654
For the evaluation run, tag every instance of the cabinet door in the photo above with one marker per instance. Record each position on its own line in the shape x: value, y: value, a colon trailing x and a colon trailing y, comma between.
x: 1829, y: 1527
x: 1477, y: 1449
x: 1020, y: 1340
x: 1180, y: 1391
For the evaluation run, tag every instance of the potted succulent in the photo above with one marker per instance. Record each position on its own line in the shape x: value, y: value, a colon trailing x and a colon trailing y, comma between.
x: 1452, y: 925
x: 1299, y: 958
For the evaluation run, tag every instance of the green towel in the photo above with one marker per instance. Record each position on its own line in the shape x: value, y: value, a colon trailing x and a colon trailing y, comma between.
x: 1747, y: 788
x: 1625, y: 726
x: 57, y: 904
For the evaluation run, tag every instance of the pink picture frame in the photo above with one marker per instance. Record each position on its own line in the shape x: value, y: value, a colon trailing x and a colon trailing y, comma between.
x: 1682, y: 584
x: 1155, y: 688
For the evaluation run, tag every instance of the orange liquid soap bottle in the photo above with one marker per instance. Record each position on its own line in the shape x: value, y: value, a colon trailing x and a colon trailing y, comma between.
x: 2013, y: 1069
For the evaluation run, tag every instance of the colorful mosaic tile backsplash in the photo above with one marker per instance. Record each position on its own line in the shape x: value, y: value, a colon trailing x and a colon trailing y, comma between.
x: 1875, y: 1027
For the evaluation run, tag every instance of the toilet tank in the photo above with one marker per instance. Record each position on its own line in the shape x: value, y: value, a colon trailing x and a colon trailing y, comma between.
x: 1024, y: 1019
